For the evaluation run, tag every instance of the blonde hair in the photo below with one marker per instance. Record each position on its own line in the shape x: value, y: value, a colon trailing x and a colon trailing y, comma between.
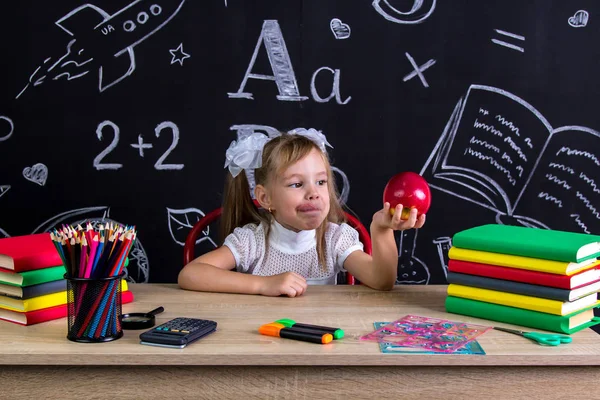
x: 278, y: 154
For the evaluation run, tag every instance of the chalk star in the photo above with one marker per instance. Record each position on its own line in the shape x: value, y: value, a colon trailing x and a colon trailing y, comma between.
x: 179, y: 55
x: 141, y: 145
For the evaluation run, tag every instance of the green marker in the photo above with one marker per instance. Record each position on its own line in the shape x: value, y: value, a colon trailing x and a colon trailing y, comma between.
x: 288, y: 323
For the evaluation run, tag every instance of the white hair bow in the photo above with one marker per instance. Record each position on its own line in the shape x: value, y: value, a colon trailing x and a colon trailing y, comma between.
x: 316, y: 136
x: 246, y: 152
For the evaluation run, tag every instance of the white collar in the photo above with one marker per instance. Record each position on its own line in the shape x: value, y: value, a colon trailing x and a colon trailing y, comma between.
x: 289, y: 240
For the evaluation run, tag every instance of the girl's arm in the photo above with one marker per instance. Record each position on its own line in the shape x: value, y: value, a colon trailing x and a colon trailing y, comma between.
x: 379, y: 270
x: 213, y: 272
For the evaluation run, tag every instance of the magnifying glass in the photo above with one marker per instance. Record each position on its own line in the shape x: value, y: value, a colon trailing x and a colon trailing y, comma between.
x: 140, y: 320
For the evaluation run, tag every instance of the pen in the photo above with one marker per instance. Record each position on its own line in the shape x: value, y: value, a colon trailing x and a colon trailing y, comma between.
x: 337, y: 333
x: 279, y: 330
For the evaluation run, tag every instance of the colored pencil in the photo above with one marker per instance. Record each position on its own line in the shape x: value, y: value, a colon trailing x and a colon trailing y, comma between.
x: 94, y: 254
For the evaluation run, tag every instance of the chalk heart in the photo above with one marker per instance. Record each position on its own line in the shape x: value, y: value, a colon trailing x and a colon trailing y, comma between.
x: 37, y: 173
x: 580, y: 19
x: 339, y: 29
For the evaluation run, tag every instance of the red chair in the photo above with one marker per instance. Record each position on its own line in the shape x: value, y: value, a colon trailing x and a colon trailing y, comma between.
x: 190, y: 242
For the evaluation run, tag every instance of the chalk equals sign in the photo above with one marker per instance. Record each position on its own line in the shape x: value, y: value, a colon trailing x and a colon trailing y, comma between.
x: 511, y: 35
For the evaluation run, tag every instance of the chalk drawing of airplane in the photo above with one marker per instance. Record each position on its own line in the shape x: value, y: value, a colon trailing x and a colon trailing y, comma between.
x: 110, y: 39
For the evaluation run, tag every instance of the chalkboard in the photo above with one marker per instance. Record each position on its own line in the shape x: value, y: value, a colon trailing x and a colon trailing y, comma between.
x: 123, y: 110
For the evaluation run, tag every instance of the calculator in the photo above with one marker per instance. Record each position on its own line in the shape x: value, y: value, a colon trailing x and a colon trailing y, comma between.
x: 178, y: 332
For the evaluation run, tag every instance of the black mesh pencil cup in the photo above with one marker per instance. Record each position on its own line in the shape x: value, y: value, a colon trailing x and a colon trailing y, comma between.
x: 94, y: 309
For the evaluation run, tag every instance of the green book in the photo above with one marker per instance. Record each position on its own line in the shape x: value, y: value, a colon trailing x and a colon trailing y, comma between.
x: 519, y: 316
x: 34, y: 277
x: 530, y: 242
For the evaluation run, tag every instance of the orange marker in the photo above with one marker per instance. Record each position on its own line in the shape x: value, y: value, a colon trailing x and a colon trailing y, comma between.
x: 279, y: 330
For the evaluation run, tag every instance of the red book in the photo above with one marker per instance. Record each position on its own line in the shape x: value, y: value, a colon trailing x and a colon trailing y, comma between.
x: 29, y: 252
x: 526, y: 276
x: 47, y: 314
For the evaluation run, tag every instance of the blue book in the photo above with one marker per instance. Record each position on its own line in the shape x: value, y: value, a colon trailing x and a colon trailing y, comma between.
x: 28, y: 292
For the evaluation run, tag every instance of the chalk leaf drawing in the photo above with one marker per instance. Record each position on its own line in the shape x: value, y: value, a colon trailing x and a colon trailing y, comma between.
x: 178, y: 54
x: 38, y: 173
x: 181, y: 222
x: 136, y: 272
x: 4, y: 189
x: 580, y: 19
x: 6, y: 133
x: 419, y: 12
x: 340, y: 30
x: 499, y: 152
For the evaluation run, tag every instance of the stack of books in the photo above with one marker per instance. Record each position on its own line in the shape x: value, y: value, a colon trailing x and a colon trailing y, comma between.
x: 542, y: 279
x: 32, y: 284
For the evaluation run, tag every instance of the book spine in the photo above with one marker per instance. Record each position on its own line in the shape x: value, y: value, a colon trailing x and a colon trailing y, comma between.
x: 44, y: 288
x: 60, y: 311
x: 507, y: 240
x: 509, y: 315
x: 509, y: 286
x: 46, y: 314
x: 43, y: 275
x: 506, y: 299
x: 512, y: 274
x: 511, y: 261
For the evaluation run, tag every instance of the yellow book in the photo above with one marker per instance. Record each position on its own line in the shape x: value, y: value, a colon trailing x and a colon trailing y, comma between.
x: 39, y: 302
x: 529, y: 263
x: 547, y: 306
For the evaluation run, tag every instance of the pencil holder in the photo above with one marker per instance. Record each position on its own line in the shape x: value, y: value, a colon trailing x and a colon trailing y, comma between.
x: 94, y: 309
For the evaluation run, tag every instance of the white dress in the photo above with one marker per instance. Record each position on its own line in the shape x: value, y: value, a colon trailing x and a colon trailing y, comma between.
x: 290, y: 251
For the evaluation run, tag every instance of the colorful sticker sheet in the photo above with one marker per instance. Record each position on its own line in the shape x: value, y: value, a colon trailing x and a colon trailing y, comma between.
x: 425, y: 333
x: 471, y: 348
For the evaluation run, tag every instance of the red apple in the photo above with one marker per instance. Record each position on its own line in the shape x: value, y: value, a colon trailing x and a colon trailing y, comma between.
x: 410, y: 190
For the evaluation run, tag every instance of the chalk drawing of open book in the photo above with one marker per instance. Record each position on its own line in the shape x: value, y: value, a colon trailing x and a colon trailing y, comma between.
x: 499, y: 152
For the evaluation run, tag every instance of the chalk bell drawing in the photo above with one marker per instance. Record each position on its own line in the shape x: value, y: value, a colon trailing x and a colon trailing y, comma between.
x: 340, y: 30
x: 112, y: 38
x: 419, y: 12
x: 580, y: 19
x: 38, y: 173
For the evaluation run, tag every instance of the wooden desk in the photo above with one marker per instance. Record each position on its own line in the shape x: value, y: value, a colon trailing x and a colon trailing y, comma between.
x: 236, y: 362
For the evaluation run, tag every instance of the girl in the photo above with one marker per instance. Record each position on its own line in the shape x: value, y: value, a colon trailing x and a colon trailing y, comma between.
x: 299, y: 237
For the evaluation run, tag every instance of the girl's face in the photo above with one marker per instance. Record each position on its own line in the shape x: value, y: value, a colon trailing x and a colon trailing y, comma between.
x: 299, y: 198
